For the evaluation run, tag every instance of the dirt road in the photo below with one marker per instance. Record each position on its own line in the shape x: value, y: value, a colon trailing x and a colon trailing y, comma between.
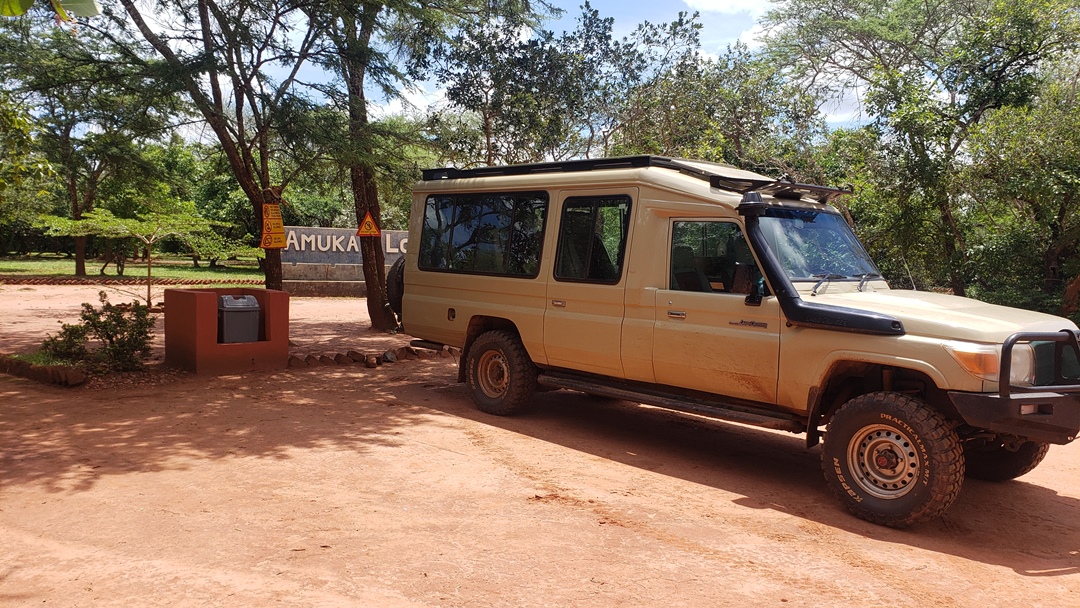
x: 342, y: 486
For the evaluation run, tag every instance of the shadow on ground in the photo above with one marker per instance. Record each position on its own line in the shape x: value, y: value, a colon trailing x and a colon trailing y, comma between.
x: 66, y: 440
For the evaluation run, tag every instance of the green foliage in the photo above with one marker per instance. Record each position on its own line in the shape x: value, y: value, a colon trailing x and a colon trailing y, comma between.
x: 123, y: 333
x: 17, y: 148
x: 738, y: 108
x: 69, y: 345
x: 64, y: 9
x: 932, y: 73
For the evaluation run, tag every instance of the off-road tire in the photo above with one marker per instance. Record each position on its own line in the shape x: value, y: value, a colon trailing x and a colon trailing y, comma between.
x: 501, y: 375
x: 892, y: 459
x: 998, y: 463
x: 395, y: 285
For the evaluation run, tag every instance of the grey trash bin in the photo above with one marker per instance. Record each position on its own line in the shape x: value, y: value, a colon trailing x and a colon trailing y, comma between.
x: 238, y: 319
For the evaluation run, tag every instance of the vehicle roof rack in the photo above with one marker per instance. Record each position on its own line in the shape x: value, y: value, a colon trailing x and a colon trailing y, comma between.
x: 735, y: 180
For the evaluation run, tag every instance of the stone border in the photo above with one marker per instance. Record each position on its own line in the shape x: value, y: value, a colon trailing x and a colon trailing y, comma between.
x: 62, y: 375
x: 393, y: 355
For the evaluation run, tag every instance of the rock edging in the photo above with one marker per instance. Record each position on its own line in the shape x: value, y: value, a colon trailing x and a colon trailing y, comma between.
x: 62, y: 375
x: 392, y: 355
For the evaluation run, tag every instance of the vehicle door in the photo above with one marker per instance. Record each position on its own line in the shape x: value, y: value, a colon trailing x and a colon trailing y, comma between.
x: 584, y: 314
x: 708, y: 335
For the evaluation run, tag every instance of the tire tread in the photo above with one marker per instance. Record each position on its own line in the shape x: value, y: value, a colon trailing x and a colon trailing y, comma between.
x: 521, y: 387
x: 947, y: 458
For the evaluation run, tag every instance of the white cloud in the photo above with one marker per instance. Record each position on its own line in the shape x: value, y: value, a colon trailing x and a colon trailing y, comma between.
x: 415, y: 100
x: 754, y: 8
x: 753, y: 38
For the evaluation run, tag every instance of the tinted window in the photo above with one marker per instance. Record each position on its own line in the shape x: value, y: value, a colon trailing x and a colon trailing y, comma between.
x: 490, y: 233
x: 592, y: 239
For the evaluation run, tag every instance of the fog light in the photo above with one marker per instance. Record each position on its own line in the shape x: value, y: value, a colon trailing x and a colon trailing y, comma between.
x: 1028, y: 408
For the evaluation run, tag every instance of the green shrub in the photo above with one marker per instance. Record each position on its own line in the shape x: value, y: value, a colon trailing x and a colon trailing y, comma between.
x: 124, y: 333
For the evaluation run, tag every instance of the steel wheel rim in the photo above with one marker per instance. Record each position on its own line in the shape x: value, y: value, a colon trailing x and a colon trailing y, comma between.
x: 883, y: 461
x: 493, y: 374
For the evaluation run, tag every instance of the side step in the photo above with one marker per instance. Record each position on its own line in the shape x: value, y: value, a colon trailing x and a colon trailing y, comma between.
x: 425, y: 344
x: 712, y: 409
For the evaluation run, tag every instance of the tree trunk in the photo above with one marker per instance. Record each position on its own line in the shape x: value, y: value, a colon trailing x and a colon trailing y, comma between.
x: 76, y: 214
x: 354, y: 50
x: 366, y: 197
x: 80, y: 256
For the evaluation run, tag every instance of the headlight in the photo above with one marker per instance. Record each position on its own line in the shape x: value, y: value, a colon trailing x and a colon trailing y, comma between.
x: 984, y: 361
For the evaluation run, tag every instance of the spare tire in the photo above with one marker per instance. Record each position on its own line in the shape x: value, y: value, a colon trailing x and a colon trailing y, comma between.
x: 395, y: 285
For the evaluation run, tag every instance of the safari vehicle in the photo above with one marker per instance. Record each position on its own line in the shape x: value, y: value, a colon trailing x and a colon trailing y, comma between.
x: 719, y: 292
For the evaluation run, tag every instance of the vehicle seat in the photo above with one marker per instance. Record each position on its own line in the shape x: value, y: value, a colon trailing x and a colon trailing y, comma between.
x: 685, y: 274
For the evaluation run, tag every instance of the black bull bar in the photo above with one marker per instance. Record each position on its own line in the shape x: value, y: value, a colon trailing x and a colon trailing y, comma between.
x: 1048, y: 413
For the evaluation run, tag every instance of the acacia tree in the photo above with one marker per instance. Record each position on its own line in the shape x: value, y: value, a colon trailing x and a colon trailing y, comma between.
x: 385, y: 45
x: 149, y: 229
x: 931, y: 73
x: 238, y: 62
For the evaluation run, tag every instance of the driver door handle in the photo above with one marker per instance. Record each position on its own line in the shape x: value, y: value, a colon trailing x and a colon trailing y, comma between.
x: 676, y: 314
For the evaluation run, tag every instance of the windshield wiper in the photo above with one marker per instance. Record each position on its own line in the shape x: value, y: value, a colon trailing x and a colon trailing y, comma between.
x: 864, y: 277
x: 823, y: 279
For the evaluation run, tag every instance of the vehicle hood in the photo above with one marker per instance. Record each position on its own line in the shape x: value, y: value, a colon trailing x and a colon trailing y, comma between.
x: 945, y: 316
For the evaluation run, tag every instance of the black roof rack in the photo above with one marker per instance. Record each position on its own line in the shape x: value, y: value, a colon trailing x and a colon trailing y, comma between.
x: 776, y: 188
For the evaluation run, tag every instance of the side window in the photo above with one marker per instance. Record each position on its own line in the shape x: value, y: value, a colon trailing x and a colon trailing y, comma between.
x: 490, y: 233
x: 592, y: 239
x: 711, y: 257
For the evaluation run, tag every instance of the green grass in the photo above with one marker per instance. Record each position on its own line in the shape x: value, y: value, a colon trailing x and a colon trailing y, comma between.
x: 164, y: 268
x: 41, y: 358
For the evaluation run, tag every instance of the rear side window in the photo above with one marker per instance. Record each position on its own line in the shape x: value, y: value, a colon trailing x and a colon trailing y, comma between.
x: 497, y: 233
x: 592, y: 239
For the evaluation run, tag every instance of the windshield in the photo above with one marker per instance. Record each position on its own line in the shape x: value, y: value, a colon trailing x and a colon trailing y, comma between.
x: 813, y: 245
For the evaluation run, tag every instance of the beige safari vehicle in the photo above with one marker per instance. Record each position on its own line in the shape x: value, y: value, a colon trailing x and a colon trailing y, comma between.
x: 719, y: 292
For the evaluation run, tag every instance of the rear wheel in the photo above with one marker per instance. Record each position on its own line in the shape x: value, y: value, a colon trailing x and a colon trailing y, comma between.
x: 395, y: 285
x: 892, y: 459
x: 996, y: 462
x: 501, y: 375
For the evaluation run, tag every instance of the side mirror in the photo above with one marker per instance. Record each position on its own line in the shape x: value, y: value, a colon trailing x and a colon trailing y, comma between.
x: 757, y: 293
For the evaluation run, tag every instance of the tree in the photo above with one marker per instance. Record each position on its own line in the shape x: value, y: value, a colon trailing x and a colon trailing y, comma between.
x: 931, y: 72
x: 549, y: 97
x: 385, y: 45
x: 238, y: 62
x: 149, y: 229
x: 737, y: 108
x: 1025, y: 178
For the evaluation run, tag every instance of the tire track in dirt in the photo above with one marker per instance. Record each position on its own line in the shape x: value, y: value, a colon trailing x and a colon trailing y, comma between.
x: 559, y: 495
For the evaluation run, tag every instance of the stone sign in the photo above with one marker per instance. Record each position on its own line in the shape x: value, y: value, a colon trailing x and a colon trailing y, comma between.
x: 336, y: 245
x: 327, y: 261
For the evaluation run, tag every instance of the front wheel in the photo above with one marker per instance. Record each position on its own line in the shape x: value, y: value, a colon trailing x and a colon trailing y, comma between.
x: 892, y: 460
x: 501, y: 375
x: 996, y: 462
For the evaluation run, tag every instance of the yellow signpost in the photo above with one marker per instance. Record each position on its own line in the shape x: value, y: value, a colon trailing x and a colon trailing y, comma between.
x: 273, y: 233
x: 368, y: 227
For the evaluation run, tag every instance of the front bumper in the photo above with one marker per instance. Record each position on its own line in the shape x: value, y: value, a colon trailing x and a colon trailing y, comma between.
x: 1049, y: 413
x: 1048, y: 417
